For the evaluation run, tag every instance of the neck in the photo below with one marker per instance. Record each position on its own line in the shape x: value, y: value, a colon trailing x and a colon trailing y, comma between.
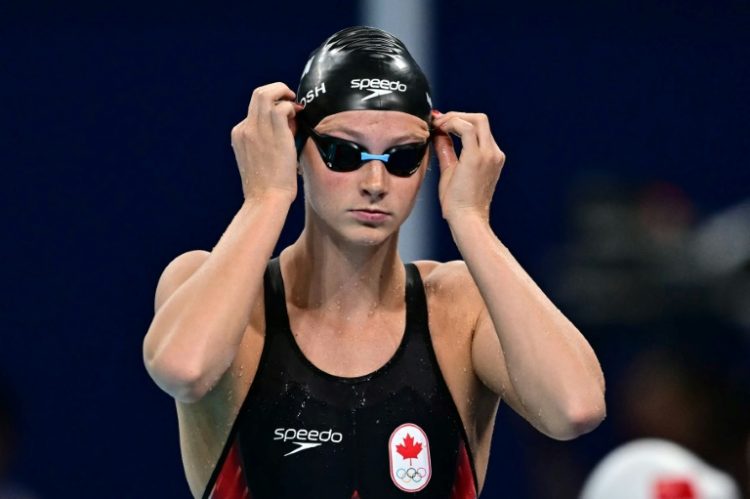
x: 327, y: 273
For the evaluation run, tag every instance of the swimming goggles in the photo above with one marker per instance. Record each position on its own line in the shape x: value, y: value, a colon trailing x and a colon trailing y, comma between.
x: 341, y: 155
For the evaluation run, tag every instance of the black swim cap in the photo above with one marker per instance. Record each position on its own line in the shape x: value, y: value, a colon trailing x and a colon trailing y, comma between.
x: 362, y: 68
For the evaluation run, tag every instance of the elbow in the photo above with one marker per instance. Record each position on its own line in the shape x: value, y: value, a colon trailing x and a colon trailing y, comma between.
x: 585, y: 419
x: 182, y: 380
x: 584, y: 411
x: 579, y: 419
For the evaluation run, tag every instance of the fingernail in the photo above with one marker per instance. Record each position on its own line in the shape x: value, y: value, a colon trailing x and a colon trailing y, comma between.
x: 436, y: 113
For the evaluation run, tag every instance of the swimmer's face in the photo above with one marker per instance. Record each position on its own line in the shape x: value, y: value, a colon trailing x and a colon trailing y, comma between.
x: 369, y: 204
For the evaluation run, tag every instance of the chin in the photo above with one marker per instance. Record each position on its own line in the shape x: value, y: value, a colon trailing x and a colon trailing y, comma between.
x: 368, y: 236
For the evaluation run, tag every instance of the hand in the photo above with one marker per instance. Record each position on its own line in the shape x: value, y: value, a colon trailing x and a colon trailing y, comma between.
x: 263, y: 143
x: 466, y: 183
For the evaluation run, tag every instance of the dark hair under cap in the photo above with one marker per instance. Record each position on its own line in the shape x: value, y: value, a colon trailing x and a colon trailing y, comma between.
x: 362, y: 68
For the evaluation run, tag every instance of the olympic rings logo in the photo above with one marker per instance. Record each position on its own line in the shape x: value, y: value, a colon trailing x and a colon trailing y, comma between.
x: 407, y: 475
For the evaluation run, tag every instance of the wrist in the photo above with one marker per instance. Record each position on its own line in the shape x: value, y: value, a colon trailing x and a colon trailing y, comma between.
x: 272, y: 197
x: 466, y: 225
x: 467, y: 217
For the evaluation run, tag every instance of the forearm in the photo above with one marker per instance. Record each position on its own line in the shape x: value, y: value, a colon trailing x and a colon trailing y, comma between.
x: 195, y: 334
x: 551, y: 366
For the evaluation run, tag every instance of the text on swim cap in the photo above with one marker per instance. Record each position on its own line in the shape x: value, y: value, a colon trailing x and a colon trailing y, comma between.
x: 312, y: 94
x: 363, y: 83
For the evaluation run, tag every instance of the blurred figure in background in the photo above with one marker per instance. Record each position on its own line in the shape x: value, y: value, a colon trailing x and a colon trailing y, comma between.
x: 665, y: 296
x: 676, y: 395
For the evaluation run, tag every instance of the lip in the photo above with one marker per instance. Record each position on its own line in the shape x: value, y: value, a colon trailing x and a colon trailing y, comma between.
x: 370, y: 215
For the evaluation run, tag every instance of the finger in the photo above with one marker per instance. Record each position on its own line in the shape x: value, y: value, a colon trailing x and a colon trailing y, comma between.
x: 285, y: 108
x: 237, y: 132
x: 482, y: 124
x: 272, y: 95
x: 264, y: 96
x: 467, y: 132
x: 293, y: 120
x: 444, y: 150
x: 284, y: 113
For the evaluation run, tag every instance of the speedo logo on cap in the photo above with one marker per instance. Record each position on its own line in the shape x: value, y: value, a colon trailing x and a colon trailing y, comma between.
x: 377, y: 86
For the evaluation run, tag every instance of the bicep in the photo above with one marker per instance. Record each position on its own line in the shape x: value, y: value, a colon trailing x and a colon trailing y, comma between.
x: 489, y: 363
x: 453, y: 286
x: 176, y: 273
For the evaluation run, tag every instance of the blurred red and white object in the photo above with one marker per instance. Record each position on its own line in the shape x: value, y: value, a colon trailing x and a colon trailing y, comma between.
x: 656, y: 469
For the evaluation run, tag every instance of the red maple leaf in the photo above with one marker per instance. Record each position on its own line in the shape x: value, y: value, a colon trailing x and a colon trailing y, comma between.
x: 408, y: 449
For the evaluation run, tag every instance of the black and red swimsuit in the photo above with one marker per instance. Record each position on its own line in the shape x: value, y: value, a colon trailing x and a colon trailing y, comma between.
x: 304, y: 433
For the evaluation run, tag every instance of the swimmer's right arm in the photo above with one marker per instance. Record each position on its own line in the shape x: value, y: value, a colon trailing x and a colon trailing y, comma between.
x: 204, y: 300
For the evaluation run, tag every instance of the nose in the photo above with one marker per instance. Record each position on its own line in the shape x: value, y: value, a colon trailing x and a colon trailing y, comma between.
x: 374, y: 183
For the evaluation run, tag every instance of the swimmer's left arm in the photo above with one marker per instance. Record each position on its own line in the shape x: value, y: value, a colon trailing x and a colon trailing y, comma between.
x: 546, y: 369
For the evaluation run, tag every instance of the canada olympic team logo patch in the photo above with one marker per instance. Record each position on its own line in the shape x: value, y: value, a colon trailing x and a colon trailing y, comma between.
x: 409, y: 454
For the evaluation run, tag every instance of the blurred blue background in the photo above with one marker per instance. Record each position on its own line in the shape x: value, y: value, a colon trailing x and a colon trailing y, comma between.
x: 626, y: 129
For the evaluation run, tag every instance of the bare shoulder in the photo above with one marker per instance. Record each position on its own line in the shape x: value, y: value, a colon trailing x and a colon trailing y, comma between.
x: 449, y: 279
x: 434, y: 269
x: 176, y: 273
